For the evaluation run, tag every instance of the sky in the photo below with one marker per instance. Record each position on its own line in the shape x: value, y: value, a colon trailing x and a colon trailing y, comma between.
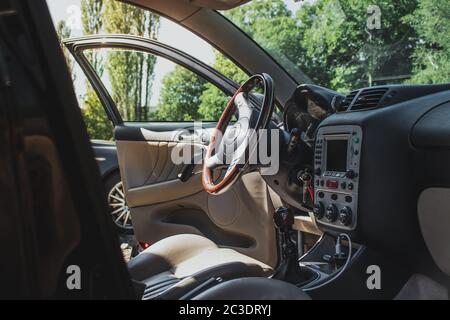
x: 70, y: 11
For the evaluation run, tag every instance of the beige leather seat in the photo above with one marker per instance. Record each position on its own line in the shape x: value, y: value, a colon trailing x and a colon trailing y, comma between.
x: 175, y: 265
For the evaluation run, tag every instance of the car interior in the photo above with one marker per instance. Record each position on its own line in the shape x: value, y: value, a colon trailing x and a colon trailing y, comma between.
x: 362, y: 185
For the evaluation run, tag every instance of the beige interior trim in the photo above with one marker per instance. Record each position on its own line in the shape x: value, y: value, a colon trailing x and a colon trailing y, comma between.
x: 163, y: 191
x: 434, y: 218
x: 306, y: 224
x: 251, y: 213
x: 154, y: 192
x: 149, y: 162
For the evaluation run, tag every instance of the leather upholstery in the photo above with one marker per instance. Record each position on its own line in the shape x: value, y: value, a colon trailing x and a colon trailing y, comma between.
x: 253, y: 289
x: 177, y: 264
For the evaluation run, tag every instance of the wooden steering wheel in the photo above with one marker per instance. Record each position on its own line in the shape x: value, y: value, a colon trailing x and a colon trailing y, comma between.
x: 231, y: 146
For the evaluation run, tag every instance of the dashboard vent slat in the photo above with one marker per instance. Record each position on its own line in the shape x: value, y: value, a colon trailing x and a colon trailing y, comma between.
x: 368, y: 98
x: 345, y: 104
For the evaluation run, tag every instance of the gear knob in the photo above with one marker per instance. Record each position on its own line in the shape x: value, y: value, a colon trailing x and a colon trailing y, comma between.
x: 283, y: 218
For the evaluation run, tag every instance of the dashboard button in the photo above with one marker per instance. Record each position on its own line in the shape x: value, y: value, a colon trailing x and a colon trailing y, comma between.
x: 334, y: 197
x: 332, y: 184
x: 343, y: 185
x: 350, y: 174
x: 348, y: 199
x: 351, y: 186
x: 345, y: 216
x: 331, y: 213
x: 318, y: 210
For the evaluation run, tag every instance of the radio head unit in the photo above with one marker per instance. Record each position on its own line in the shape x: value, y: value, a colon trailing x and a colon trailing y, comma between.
x: 336, y: 176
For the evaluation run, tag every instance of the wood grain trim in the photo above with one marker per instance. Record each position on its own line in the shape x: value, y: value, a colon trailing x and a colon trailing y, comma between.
x: 207, y: 174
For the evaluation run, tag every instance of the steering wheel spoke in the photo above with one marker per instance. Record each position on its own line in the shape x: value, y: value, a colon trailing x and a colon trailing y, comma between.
x: 236, y: 146
x: 243, y: 106
x: 214, y: 162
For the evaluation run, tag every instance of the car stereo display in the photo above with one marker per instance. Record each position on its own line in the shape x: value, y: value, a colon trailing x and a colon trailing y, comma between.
x: 336, y: 155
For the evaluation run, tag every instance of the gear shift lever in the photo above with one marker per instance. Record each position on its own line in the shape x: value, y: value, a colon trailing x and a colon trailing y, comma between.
x: 289, y: 269
x: 284, y: 219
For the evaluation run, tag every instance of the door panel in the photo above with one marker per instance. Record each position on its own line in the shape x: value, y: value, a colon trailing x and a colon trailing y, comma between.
x: 161, y: 205
x: 150, y: 175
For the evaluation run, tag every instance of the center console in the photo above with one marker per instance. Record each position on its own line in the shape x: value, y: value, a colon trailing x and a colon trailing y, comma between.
x: 336, y: 176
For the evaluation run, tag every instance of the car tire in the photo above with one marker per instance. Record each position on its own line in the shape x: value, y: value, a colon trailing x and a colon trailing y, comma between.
x: 120, y: 213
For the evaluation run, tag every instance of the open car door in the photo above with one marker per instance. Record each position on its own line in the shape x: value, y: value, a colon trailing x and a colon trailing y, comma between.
x: 164, y: 201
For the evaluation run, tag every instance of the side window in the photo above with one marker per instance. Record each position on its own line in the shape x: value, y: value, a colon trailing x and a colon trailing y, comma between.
x: 146, y: 87
x: 112, y: 17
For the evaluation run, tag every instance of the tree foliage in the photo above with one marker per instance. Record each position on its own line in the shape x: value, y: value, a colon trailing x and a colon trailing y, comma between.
x: 97, y: 123
x: 327, y: 42
x: 92, y: 23
x: 213, y: 100
x: 131, y: 73
x: 180, y: 96
x: 431, y: 57
x: 95, y: 118
x: 64, y: 32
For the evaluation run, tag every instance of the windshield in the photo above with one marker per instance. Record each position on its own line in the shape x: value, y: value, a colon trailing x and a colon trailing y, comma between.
x: 344, y: 44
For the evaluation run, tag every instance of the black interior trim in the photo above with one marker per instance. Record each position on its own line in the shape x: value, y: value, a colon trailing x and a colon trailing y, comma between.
x: 100, y: 251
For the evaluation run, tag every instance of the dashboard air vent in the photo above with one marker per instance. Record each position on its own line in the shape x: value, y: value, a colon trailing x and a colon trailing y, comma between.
x: 368, y: 98
x: 345, y: 104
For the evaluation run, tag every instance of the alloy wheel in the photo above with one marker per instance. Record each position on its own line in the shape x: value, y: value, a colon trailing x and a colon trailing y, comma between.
x: 119, y: 208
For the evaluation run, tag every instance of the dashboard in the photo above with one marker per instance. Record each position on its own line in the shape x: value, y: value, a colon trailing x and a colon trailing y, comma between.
x: 373, y: 152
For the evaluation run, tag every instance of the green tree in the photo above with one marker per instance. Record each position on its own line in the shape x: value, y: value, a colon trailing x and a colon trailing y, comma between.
x: 212, y: 103
x: 95, y: 118
x: 329, y: 40
x: 431, y: 57
x: 180, y: 96
x: 213, y: 100
x: 131, y: 73
x: 345, y: 53
x: 92, y: 22
x: 64, y: 32
x: 272, y: 24
x: 97, y: 123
